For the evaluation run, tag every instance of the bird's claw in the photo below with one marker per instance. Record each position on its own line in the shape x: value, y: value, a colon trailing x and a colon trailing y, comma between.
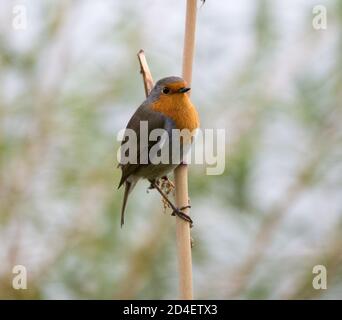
x: 182, y: 215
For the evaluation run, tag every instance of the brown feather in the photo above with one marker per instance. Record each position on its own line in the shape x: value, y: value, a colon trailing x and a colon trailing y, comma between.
x: 155, y: 120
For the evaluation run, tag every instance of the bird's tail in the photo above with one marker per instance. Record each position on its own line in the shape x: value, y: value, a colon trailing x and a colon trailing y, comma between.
x: 128, y: 188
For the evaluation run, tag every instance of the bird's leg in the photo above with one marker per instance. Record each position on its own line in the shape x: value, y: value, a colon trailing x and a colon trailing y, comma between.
x: 151, y: 187
x: 175, y: 211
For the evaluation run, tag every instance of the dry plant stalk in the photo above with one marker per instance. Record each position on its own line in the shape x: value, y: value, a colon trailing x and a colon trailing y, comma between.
x: 145, y: 72
x: 181, y: 172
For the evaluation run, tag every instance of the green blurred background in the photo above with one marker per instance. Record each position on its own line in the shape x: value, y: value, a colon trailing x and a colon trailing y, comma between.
x: 70, y: 81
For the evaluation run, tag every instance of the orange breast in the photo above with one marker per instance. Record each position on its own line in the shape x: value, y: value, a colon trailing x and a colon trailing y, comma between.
x: 180, y: 109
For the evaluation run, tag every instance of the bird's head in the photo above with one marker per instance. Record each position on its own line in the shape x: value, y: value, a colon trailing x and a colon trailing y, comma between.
x: 169, y: 88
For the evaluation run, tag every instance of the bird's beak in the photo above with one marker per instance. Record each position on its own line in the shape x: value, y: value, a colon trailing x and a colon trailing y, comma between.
x: 183, y: 90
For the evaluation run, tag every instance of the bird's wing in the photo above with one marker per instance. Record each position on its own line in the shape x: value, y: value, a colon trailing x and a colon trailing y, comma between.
x: 155, y: 120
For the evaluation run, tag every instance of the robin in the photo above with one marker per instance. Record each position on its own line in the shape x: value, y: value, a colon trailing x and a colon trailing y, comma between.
x: 167, y: 107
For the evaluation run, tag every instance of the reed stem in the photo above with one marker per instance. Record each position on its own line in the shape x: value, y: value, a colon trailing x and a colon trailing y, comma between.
x: 181, y: 172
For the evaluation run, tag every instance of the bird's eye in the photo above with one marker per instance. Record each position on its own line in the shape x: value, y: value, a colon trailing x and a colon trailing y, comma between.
x: 166, y: 90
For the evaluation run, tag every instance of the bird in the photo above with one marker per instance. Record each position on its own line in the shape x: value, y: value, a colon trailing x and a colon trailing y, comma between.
x: 167, y: 107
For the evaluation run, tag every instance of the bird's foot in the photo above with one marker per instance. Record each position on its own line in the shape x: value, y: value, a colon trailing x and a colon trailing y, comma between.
x: 182, y: 215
